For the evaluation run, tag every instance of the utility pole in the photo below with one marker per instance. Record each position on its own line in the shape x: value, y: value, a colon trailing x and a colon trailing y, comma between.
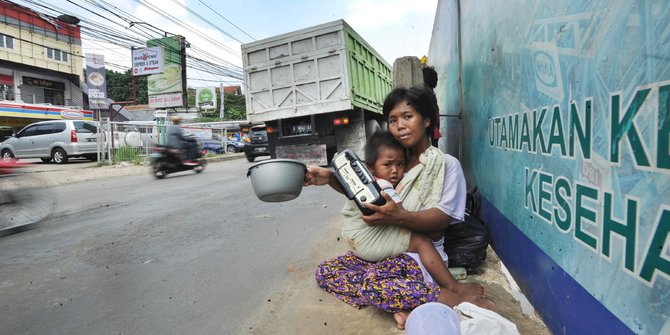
x: 133, y: 96
x: 222, y: 94
x: 182, y: 56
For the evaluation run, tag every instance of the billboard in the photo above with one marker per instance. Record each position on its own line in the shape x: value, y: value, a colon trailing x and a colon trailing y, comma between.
x: 96, y: 81
x: 205, y: 97
x: 147, y: 61
x: 166, y: 89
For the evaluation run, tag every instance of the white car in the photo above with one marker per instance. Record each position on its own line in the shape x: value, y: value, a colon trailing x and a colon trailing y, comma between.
x: 55, y: 140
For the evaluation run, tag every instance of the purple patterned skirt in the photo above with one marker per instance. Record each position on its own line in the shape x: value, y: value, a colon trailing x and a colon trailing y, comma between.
x: 394, y: 284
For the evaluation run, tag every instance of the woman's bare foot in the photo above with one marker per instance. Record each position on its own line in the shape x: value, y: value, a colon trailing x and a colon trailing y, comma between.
x: 469, y: 289
x: 400, y: 319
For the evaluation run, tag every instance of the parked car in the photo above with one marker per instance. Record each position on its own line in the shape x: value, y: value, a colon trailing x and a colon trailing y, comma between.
x: 256, y: 143
x: 215, y: 144
x: 55, y: 140
x: 234, y: 146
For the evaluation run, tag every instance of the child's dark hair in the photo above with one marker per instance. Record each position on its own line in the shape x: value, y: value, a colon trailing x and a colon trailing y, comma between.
x: 380, y: 139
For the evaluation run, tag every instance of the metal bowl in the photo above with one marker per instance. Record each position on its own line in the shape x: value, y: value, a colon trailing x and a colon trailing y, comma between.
x: 276, y: 180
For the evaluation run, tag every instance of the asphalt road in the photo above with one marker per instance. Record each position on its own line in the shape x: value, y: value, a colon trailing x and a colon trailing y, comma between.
x: 190, y: 254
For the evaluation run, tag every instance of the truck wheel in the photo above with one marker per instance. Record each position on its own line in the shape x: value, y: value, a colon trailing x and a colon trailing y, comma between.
x: 251, y: 158
x: 371, y: 126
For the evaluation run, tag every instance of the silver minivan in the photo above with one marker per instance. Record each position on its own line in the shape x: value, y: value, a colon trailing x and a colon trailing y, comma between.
x: 55, y: 140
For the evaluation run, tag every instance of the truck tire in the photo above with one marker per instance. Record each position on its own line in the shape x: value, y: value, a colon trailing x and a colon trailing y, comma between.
x: 371, y: 126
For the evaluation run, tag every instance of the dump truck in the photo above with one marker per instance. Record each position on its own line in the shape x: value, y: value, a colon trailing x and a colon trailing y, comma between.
x: 318, y: 90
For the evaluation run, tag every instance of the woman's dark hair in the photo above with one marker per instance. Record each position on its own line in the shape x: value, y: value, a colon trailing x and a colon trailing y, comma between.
x: 420, y: 98
x: 380, y: 139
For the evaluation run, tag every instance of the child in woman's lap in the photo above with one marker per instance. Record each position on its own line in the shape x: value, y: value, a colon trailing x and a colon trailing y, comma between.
x: 386, y: 159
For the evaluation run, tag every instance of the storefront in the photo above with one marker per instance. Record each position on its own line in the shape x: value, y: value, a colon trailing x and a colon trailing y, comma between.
x: 39, y: 90
x: 16, y: 115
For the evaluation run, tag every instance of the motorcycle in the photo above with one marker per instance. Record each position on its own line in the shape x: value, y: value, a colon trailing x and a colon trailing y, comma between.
x: 23, y: 202
x: 165, y: 160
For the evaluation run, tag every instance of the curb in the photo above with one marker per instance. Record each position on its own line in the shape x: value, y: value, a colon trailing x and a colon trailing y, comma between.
x: 224, y: 157
x: 93, y: 165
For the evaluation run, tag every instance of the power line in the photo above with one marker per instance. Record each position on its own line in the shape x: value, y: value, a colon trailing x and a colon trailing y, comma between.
x: 206, y: 21
x: 221, y: 16
x: 184, y: 25
x: 98, y: 31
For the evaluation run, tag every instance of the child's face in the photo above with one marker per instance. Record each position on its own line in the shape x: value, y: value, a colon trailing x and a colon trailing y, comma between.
x: 390, y: 165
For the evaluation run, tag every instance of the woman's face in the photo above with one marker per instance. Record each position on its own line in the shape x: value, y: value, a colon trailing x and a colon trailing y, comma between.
x: 408, y: 126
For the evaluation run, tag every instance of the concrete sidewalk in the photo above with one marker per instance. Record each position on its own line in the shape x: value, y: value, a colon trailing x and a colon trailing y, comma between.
x: 299, y: 306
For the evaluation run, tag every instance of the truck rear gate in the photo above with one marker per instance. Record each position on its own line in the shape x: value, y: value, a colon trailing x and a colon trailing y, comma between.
x: 319, y: 90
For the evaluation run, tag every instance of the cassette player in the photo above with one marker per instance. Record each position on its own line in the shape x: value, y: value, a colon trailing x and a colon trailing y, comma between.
x: 356, y: 180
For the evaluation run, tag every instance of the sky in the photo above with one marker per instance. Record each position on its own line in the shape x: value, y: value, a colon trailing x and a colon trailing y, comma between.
x: 394, y: 28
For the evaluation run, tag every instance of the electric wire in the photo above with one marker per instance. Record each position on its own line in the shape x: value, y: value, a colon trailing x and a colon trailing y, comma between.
x: 221, y: 16
x: 114, y: 36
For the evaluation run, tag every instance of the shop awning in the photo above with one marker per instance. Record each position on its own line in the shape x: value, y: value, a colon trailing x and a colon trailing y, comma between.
x: 6, y: 80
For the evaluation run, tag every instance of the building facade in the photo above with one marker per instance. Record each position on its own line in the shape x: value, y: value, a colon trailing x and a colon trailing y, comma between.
x: 41, y: 61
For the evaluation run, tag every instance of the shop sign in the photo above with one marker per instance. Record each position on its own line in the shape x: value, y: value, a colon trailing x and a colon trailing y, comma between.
x: 39, y: 82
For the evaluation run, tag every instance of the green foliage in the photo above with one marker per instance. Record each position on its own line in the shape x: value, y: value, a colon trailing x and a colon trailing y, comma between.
x: 120, y: 87
x: 234, y: 109
x: 128, y: 154
x: 205, y: 119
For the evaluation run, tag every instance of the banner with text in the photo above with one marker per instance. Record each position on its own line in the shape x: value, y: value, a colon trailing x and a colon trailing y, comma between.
x: 96, y: 81
x: 147, y: 61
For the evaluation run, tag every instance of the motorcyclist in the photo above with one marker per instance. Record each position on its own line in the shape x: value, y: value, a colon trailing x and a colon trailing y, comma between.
x: 177, y: 138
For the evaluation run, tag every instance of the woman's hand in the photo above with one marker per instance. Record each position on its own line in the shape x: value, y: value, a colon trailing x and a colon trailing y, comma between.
x: 389, y: 213
x: 317, y: 175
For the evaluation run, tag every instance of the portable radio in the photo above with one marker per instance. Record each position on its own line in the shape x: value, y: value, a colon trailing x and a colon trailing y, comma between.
x: 356, y: 180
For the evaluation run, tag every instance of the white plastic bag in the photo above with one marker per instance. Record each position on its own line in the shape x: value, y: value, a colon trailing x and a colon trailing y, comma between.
x: 435, y: 318
x: 477, y: 320
x: 431, y: 319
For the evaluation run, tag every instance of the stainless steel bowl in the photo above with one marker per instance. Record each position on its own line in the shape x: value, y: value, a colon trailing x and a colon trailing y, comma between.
x: 277, y: 180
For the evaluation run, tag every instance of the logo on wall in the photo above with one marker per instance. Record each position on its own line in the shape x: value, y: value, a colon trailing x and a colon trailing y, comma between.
x: 547, y: 70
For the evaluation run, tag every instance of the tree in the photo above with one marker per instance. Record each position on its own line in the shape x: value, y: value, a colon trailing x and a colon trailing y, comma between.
x: 234, y: 109
x: 120, y: 87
